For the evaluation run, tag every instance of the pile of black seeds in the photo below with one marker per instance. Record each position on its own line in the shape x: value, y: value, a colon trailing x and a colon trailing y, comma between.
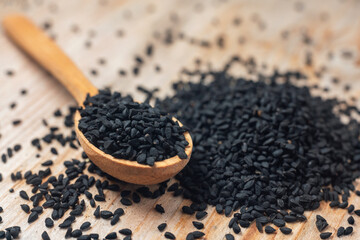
x: 251, y: 153
x: 267, y: 149
x: 129, y: 130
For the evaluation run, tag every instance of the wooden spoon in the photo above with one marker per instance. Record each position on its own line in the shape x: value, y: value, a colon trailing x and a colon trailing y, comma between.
x: 41, y: 48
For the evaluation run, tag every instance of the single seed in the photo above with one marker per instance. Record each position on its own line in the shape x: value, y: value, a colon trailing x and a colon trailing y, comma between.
x: 25, y: 208
x: 351, y: 220
x: 159, y: 208
x: 229, y: 237
x: 348, y: 231
x: 269, y: 229
x: 125, y: 231
x: 33, y: 217
x: 49, y: 223
x: 285, y: 230
x: 169, y: 235
x: 85, y: 226
x: 111, y: 235
x: 198, y: 225
x: 325, y: 235
x: 340, y: 231
x: 161, y: 227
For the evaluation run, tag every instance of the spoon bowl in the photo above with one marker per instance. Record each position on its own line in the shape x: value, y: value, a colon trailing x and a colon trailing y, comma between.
x: 42, y: 49
x: 131, y: 171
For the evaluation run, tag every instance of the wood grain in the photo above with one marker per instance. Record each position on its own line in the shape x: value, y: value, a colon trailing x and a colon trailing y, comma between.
x: 41, y: 48
x: 270, y: 31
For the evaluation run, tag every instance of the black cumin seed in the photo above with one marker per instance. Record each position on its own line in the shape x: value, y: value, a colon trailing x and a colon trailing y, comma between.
x: 285, y: 230
x: 200, y: 215
x: 159, y: 208
x: 47, y: 163
x: 149, y: 50
x: 54, y: 151
x: 126, y: 201
x: 122, y: 72
x: 290, y: 219
x: 340, y: 231
x: 85, y: 226
x: 92, y: 203
x: 269, y: 229
x: 169, y: 235
x: 229, y: 237
x: 17, y: 147
x: 93, y: 72
x: 157, y: 68
x: 357, y: 212
x: 37, y: 209
x: 16, y: 122
x: 136, y: 197
x: 125, y: 231
x: 3, y: 158
x: 9, y: 72
x: 25, y: 208
x: 115, y: 219
x: 351, y: 220
x: 189, y: 236
x: 325, y: 235
x: 334, y: 204
x: 111, y: 235
x: 236, y: 228
x: 85, y: 237
x: 119, y: 212
x: 33, y: 217
x: 279, y: 222
x: 259, y: 226
x: 94, y: 236
x: 14, y: 231
x: 68, y: 233
x: 23, y: 92
x: 99, y: 198
x: 125, y: 193
x: 348, y: 231
x: 188, y: 210
x: 161, y: 227
x: 66, y: 224
x: 321, y: 223
x: 58, y: 113
x: 76, y: 233
x: 197, y: 234
x: 49, y: 222
x: 24, y: 195
x: 106, y: 214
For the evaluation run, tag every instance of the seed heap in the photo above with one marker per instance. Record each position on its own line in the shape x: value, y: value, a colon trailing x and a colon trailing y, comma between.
x: 129, y: 130
x: 264, y: 147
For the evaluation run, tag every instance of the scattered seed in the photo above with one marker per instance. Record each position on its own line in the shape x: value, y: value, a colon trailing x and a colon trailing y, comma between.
x: 125, y: 231
x: 159, y: 208
x: 325, y: 235
x: 351, y: 220
x: 169, y: 235
x: 162, y: 226
x: 285, y: 230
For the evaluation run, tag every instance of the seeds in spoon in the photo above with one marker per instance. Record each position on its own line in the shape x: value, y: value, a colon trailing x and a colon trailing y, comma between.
x: 129, y: 130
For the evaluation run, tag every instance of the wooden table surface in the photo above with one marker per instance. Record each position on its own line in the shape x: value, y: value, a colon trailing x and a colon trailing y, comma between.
x: 279, y: 33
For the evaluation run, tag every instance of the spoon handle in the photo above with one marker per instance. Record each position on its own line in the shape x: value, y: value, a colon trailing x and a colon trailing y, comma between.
x: 40, y: 47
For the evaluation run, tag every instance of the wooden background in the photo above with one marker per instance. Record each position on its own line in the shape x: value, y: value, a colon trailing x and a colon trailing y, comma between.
x: 274, y: 32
